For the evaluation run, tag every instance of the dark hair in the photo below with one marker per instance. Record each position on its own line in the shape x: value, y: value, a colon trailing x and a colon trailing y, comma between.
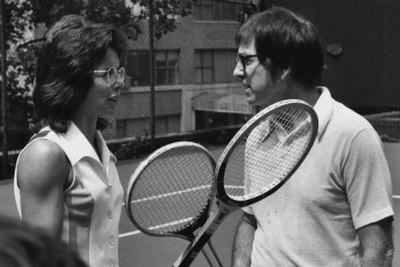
x: 288, y: 40
x: 71, y: 49
x: 21, y: 245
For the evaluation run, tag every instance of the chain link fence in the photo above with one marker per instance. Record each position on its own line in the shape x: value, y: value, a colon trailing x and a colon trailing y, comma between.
x: 195, y: 94
x: 387, y: 124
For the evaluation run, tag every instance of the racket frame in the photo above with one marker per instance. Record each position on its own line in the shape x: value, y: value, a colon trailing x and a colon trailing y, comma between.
x: 226, y: 204
x: 186, y: 232
x: 246, y: 129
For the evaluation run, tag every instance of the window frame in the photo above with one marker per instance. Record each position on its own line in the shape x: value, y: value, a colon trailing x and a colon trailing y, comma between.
x: 212, y: 10
x: 171, y: 73
x: 201, y: 68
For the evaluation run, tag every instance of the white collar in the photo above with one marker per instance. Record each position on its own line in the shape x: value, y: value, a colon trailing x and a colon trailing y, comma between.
x: 324, y: 109
x: 80, y: 146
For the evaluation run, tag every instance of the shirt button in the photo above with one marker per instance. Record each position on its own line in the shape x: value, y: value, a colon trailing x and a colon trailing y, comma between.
x: 112, y: 241
x: 108, y: 190
x: 110, y: 214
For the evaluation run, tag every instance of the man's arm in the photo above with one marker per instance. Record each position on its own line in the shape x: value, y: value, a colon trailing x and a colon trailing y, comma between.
x: 243, y: 242
x: 377, y: 244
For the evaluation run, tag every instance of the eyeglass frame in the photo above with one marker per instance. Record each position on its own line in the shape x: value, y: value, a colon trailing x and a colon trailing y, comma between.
x: 121, y: 72
x: 242, y: 58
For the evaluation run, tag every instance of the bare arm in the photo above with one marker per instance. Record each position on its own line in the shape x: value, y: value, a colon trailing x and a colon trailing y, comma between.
x: 377, y: 244
x: 243, y: 242
x: 43, y: 170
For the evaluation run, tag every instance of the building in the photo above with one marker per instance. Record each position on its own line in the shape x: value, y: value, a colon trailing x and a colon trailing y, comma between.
x: 194, y: 85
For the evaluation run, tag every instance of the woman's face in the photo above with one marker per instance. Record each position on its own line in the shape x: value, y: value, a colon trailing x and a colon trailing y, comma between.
x: 101, y: 99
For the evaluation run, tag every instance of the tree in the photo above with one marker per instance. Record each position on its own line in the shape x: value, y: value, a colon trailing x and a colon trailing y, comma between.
x: 125, y: 14
x: 19, y: 61
x: 25, y: 18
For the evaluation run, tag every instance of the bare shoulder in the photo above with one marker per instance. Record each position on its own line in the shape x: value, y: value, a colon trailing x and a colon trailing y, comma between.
x: 42, y: 165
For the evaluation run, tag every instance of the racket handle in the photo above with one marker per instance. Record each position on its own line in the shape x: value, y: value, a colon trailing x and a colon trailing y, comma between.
x: 211, y: 255
x: 188, y: 256
x: 202, y: 238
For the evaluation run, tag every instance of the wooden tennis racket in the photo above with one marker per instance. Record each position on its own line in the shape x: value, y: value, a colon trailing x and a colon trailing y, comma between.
x: 169, y: 194
x: 259, y: 159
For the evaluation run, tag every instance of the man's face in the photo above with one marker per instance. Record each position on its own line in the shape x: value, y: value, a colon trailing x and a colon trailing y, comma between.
x: 261, y: 89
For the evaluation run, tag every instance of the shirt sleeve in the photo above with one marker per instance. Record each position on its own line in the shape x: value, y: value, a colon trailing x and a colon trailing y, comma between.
x: 248, y: 210
x: 367, y: 179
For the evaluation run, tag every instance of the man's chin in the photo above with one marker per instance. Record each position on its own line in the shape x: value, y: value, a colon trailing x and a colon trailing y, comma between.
x: 251, y: 100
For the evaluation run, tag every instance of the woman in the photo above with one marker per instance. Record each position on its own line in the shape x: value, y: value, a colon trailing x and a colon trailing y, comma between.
x: 66, y: 181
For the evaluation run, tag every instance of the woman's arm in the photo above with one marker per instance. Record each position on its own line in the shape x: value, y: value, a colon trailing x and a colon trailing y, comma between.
x: 43, y: 170
x: 243, y: 242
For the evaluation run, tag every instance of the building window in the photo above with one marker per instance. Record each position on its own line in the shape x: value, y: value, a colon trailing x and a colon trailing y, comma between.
x: 138, y: 67
x: 203, y: 10
x: 212, y: 10
x: 209, y: 120
x: 137, y: 64
x: 214, y: 66
x: 166, y: 65
x: 204, y: 66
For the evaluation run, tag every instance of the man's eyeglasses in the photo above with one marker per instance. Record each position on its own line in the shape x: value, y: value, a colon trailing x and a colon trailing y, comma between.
x: 112, y: 74
x: 244, y: 59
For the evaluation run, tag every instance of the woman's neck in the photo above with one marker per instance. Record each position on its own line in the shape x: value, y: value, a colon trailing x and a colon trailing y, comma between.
x: 88, y: 128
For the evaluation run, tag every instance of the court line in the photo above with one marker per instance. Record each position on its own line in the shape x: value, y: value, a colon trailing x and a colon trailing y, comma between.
x: 156, y: 227
x: 170, y: 194
x: 130, y: 233
x: 180, y: 192
x: 160, y: 196
x: 172, y: 223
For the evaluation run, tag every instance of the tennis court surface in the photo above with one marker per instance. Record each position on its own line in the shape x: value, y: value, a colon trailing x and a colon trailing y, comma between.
x: 140, y: 250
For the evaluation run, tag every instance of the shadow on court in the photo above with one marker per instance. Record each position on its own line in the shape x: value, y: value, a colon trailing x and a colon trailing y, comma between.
x: 140, y: 250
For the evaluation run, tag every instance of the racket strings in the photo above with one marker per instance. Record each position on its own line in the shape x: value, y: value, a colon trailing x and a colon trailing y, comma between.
x: 172, y: 191
x: 268, y: 153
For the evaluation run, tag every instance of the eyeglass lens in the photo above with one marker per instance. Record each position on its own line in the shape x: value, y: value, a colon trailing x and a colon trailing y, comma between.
x: 113, y: 73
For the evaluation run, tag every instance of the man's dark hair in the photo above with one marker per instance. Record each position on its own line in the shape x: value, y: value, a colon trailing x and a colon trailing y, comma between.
x: 288, y: 40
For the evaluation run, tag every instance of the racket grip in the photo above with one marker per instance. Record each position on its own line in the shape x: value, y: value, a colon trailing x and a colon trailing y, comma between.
x: 203, y: 236
x: 191, y: 252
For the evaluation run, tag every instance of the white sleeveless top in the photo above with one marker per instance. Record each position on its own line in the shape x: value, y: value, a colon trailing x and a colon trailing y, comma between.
x: 93, y: 202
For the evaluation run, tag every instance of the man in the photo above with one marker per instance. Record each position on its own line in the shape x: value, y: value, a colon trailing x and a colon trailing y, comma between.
x: 336, y: 209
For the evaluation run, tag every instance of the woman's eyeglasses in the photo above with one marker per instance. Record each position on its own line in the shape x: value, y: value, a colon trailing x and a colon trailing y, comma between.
x: 112, y: 74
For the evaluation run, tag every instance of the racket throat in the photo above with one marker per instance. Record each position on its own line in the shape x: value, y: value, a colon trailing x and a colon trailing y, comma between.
x: 188, y: 256
x: 202, y: 237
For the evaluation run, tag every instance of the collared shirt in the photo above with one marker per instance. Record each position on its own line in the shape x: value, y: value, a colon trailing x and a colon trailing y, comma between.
x: 273, y: 148
x: 93, y: 201
x: 342, y: 185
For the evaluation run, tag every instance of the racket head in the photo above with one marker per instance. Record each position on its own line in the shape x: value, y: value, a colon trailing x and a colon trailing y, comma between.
x: 265, y: 152
x: 170, y: 192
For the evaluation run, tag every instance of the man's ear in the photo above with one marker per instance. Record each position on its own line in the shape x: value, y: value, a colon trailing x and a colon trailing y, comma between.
x: 285, y: 73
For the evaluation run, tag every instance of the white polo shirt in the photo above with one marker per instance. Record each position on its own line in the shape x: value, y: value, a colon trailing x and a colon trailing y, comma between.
x: 342, y: 185
x: 93, y: 202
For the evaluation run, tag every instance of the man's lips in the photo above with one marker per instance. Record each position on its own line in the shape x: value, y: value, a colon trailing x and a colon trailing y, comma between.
x: 247, y: 91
